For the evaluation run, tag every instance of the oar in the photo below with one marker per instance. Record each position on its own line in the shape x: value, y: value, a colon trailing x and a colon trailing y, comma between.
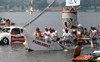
x: 91, y: 43
x: 24, y: 43
x: 85, y: 38
x: 65, y: 49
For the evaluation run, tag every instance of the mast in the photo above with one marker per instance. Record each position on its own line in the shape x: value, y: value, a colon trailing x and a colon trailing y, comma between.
x: 40, y: 14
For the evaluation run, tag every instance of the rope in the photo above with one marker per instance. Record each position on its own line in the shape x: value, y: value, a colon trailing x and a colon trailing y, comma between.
x: 40, y: 14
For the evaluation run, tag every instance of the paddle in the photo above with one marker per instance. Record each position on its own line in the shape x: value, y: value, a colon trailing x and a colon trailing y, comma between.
x: 88, y: 39
x: 24, y: 43
x: 65, y: 49
x: 85, y: 38
x: 91, y: 43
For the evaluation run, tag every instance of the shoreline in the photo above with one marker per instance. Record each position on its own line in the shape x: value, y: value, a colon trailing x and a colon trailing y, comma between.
x: 51, y: 9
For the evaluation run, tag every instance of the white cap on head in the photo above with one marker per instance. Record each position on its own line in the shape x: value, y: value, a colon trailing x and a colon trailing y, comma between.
x: 55, y: 31
x: 73, y: 30
x: 46, y: 27
x: 93, y: 26
x: 79, y: 25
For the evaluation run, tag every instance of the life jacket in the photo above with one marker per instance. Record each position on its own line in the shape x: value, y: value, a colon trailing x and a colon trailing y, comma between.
x: 82, y: 36
x: 4, y: 21
x: 39, y: 34
x: 77, y: 33
x: 7, y: 24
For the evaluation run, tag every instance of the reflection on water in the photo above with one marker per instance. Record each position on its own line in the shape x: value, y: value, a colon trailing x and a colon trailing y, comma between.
x: 17, y: 53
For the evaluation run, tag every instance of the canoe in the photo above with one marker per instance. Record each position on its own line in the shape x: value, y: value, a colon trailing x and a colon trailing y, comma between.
x: 37, y: 43
x: 87, y: 57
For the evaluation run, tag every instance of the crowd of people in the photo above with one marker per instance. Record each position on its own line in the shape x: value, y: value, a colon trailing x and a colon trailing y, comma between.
x: 71, y: 38
x: 49, y: 34
x: 4, y: 21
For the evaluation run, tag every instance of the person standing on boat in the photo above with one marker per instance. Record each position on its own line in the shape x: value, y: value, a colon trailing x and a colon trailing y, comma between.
x: 79, y: 27
x: 45, y: 34
x: 74, y: 37
x: 80, y: 33
x: 93, y: 34
x: 67, y: 37
x: 38, y: 33
x: 7, y: 23
x: 77, y: 50
x: 91, y: 28
x: 86, y: 35
x: 98, y: 30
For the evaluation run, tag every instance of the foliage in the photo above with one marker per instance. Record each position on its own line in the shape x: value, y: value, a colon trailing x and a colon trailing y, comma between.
x: 41, y: 4
x: 62, y: 4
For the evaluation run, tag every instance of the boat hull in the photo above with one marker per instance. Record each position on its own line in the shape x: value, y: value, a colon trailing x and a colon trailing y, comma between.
x: 37, y: 43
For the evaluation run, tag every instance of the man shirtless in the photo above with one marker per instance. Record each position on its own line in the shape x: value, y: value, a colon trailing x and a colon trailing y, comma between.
x: 77, y: 50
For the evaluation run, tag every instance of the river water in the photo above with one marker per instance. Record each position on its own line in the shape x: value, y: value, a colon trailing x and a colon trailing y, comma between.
x: 17, y: 52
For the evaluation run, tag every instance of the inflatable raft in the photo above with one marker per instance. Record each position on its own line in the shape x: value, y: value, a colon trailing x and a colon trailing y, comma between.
x: 91, y: 57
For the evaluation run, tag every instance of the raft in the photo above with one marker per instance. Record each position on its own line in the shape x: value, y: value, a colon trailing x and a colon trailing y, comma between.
x: 86, y: 58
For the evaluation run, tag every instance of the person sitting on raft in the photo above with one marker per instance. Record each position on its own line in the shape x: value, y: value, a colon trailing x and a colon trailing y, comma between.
x: 67, y: 37
x: 38, y: 33
x: 77, y: 50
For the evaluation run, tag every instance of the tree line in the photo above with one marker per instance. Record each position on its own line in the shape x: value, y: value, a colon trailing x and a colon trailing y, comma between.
x: 41, y: 4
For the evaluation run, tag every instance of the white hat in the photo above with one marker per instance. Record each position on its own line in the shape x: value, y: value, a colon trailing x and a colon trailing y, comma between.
x: 55, y: 31
x: 79, y: 25
x: 46, y: 27
x: 73, y: 30
x: 93, y: 26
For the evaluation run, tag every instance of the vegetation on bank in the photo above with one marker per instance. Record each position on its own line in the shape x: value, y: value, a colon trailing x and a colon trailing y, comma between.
x: 23, y: 5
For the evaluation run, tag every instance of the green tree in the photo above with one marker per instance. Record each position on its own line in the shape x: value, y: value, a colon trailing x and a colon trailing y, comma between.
x: 41, y: 4
x: 62, y: 4
x: 95, y: 3
x: 22, y: 7
x: 5, y: 7
x: 85, y: 4
x: 56, y: 4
